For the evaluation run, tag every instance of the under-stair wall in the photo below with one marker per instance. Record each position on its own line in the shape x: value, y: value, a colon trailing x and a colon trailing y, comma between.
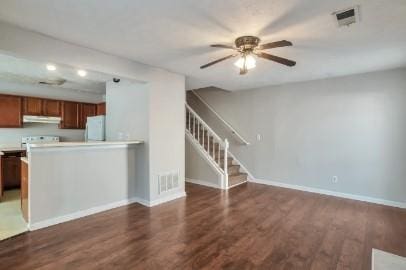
x: 198, y: 171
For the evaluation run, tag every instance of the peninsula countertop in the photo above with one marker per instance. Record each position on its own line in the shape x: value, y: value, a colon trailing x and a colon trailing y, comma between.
x: 4, y: 148
x: 82, y: 144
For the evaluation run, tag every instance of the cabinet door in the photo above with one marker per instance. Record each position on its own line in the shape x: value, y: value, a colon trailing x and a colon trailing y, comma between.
x: 32, y: 106
x: 87, y: 110
x: 24, y: 190
x: 101, y: 109
x: 51, y: 107
x: 1, y: 179
x: 10, y: 111
x: 11, y: 172
x: 70, y: 115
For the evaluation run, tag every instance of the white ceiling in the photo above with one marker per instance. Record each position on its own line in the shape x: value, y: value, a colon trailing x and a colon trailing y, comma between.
x: 176, y: 34
x: 17, y: 70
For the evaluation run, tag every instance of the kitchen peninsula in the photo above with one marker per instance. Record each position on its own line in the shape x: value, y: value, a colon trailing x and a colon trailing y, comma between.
x: 71, y: 180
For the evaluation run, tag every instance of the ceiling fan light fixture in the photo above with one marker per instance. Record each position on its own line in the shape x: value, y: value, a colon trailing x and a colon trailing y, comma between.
x: 246, y: 62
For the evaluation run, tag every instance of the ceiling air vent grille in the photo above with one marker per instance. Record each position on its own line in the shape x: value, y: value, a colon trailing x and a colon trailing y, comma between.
x: 347, y: 16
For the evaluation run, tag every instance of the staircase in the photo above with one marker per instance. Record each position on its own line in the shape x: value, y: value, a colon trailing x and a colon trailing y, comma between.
x: 215, y: 150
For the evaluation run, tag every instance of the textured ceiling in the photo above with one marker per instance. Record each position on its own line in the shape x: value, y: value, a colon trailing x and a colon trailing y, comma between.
x: 176, y: 34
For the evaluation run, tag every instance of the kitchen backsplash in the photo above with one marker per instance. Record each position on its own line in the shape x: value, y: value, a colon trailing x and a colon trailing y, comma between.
x: 11, y: 136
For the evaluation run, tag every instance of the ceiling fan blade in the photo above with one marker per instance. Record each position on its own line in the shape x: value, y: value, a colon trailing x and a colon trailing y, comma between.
x: 277, y: 59
x: 218, y: 60
x: 276, y: 44
x: 223, y: 46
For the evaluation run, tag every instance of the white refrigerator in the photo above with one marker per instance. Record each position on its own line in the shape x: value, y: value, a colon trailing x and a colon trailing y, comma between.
x: 95, y: 128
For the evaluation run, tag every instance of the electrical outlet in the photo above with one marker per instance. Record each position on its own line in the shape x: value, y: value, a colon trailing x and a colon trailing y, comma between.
x: 335, y: 179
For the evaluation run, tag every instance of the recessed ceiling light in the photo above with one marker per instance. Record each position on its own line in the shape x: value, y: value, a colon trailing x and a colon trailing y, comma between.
x: 51, y: 67
x: 82, y: 73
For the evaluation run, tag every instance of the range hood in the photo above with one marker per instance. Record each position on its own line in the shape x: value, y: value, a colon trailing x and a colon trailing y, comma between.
x: 41, y: 119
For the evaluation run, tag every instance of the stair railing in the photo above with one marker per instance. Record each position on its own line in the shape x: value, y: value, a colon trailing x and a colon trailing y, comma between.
x: 202, y: 134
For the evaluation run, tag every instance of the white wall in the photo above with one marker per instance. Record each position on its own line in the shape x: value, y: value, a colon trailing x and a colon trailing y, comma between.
x: 352, y: 127
x: 166, y: 92
x: 12, y: 136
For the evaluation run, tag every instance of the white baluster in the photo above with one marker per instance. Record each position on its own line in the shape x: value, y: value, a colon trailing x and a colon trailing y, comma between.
x: 189, y: 121
x: 226, y: 145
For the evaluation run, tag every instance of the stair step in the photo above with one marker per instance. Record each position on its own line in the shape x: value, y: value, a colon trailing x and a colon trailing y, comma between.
x: 233, y: 169
x: 237, y: 179
x: 229, y: 162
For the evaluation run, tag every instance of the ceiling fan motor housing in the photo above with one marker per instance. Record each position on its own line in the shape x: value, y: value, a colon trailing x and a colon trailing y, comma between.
x: 247, y: 42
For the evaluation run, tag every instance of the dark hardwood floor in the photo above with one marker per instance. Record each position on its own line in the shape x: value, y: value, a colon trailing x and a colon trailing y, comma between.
x: 251, y: 227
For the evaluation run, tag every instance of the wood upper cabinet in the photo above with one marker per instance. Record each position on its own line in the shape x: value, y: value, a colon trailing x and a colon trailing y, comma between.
x: 1, y: 180
x: 101, y: 109
x: 74, y: 114
x: 51, y: 107
x: 87, y: 110
x: 70, y: 115
x: 32, y: 106
x: 10, y: 111
x: 42, y: 107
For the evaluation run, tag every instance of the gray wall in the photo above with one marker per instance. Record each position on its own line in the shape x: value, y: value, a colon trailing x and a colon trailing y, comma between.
x: 127, y: 104
x: 96, y: 176
x: 351, y: 127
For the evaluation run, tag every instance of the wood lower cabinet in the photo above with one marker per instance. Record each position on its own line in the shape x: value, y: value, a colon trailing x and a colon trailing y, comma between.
x: 70, y: 115
x: 24, y: 190
x: 10, y: 171
x: 10, y: 111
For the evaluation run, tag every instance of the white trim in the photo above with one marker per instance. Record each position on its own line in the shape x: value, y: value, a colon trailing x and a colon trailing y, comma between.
x: 331, y: 193
x: 202, y: 183
x: 250, y: 176
x: 238, y: 184
x: 233, y: 131
x: 165, y: 199
x: 79, y: 214
x: 98, y: 209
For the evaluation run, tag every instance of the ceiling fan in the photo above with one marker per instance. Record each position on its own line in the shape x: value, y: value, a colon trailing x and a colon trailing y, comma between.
x: 246, y: 47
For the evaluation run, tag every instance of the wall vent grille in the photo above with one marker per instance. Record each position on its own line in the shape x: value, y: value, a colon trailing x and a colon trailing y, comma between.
x: 348, y: 16
x: 168, y: 181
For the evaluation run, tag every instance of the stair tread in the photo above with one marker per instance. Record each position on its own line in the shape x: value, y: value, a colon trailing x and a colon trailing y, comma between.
x: 238, y: 174
x: 237, y: 179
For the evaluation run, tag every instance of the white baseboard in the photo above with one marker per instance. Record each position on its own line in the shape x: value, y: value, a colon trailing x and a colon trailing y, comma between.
x: 79, y: 214
x: 331, y: 193
x: 98, y: 209
x: 166, y: 199
x: 202, y: 183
